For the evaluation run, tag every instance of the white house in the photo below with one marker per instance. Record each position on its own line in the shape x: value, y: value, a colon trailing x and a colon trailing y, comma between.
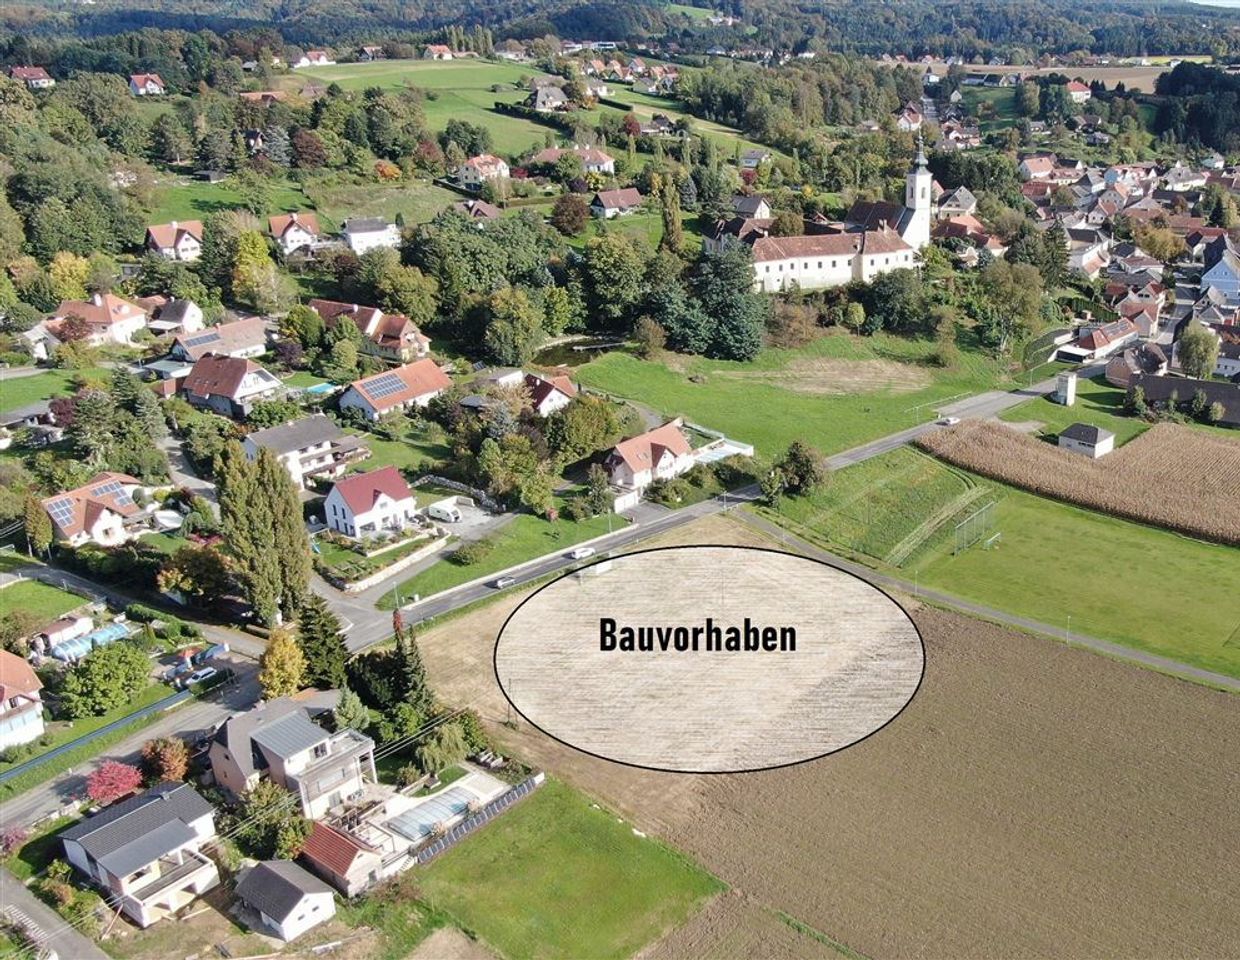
x: 21, y: 706
x: 658, y: 454
x: 293, y: 231
x: 95, y: 512
x: 146, y: 85
x: 109, y: 318
x: 366, y: 504
x: 314, y: 58
x: 178, y: 318
x: 593, y: 160
x: 412, y: 385
x: 35, y: 78
x: 1078, y: 92
x: 616, y: 203
x: 178, y: 240
x: 476, y: 171
x: 1223, y: 274
x: 550, y: 392
x: 1091, y: 441
x: 230, y: 386
x: 145, y: 852
x: 310, y: 447
x: 288, y: 900
x: 369, y: 233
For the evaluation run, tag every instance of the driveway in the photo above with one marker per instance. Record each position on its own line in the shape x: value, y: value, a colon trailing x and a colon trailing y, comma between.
x: 56, y: 931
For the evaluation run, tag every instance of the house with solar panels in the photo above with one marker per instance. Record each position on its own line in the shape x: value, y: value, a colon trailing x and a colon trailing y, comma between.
x: 413, y: 385
x: 102, y: 511
x: 241, y: 338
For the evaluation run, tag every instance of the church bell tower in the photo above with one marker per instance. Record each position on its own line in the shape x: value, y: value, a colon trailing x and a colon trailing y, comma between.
x: 917, y: 200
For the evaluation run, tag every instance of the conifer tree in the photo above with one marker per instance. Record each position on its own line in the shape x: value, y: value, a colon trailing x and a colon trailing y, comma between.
x: 247, y: 524
x: 38, y: 527
x: 415, y: 689
x: 288, y: 532
x: 322, y: 643
x: 350, y: 712
x: 673, y: 233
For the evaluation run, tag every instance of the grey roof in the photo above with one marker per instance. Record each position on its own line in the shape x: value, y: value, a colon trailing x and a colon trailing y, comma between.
x: 137, y: 831
x: 297, y: 435
x: 289, y: 735
x: 1160, y: 389
x: 1085, y: 433
x: 175, y: 311
x: 747, y: 205
x: 365, y: 225
x: 235, y: 734
x: 276, y: 887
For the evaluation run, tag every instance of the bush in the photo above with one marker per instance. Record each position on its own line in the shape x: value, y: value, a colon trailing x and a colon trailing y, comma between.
x: 142, y: 613
x: 467, y: 554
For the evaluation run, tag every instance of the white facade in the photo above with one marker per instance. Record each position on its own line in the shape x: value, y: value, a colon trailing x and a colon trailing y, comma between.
x: 386, y: 515
x: 1105, y: 444
x: 476, y: 171
x: 918, y: 200
x: 1224, y: 276
x: 296, y: 237
x: 818, y: 271
x: 362, y: 238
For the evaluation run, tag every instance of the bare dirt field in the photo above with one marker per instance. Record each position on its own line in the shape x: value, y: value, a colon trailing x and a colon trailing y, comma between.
x: 733, y: 926
x: 1133, y: 77
x: 448, y: 943
x: 1033, y: 800
x: 826, y: 376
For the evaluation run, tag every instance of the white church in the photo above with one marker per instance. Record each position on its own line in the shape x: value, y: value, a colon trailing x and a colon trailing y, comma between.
x: 873, y: 238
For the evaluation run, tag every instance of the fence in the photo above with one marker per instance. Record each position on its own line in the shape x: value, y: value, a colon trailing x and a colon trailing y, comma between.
x: 483, y: 816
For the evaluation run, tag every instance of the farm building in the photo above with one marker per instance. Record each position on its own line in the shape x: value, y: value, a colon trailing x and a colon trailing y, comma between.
x: 1088, y: 440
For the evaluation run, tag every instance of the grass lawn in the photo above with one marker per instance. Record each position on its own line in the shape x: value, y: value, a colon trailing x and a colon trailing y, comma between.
x: 526, y: 537
x: 1097, y: 403
x: 164, y: 542
x: 834, y: 393
x: 645, y: 226
x: 180, y: 198
x: 62, y: 732
x: 19, y: 392
x: 890, y: 508
x: 44, y: 601
x: 302, y: 379
x: 1002, y: 98
x: 40, y: 849
x: 412, y: 455
x: 352, y: 566
x: 555, y: 876
x: 416, y: 200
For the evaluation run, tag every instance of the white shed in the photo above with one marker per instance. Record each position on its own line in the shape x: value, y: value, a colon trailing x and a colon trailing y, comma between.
x: 1089, y: 440
x: 289, y: 900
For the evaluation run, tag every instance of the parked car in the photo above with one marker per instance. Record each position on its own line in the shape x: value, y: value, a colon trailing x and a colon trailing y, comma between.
x: 581, y: 553
x: 947, y: 421
x: 198, y: 676
x: 502, y: 582
x: 444, y: 512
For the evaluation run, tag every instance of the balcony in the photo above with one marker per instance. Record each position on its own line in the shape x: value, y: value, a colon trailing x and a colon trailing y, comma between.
x: 193, y: 869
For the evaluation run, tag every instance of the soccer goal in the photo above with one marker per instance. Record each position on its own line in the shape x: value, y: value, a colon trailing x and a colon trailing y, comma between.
x: 977, y: 526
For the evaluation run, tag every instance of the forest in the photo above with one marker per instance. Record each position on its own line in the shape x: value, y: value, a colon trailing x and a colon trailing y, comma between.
x: 1200, y: 105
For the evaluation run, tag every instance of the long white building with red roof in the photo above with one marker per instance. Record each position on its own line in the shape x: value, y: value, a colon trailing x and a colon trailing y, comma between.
x: 413, y: 385
x: 372, y: 503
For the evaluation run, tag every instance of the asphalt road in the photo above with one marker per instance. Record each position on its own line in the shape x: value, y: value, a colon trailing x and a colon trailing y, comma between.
x: 58, y: 934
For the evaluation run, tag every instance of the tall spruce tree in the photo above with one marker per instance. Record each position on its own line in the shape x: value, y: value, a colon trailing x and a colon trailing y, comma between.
x: 322, y: 642
x: 288, y: 532
x: 416, y: 690
x: 247, y: 523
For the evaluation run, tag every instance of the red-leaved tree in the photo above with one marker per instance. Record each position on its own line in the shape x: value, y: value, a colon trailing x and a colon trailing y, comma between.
x: 112, y: 781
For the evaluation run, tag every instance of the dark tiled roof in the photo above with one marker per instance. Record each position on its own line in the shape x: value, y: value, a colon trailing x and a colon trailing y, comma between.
x: 141, y: 829
x: 296, y: 435
x: 276, y: 887
x: 1085, y: 433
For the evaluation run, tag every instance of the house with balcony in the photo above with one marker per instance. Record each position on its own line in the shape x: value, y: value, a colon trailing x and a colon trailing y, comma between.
x: 371, y: 503
x: 21, y: 706
x: 295, y: 231
x: 309, y: 448
x: 280, y: 741
x: 145, y: 852
x: 229, y: 386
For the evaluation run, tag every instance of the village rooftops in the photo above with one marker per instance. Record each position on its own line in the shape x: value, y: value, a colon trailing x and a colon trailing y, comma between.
x: 238, y: 733
x: 297, y: 434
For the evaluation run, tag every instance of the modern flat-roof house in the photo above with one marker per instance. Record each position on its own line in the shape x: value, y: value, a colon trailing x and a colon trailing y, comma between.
x: 309, y: 448
x: 658, y: 454
x: 392, y: 336
x: 550, y: 392
x: 607, y: 204
x: 229, y: 386
x: 95, y: 512
x: 109, y: 318
x: 413, y: 385
x: 178, y: 240
x: 371, y: 503
x: 241, y: 338
x: 35, y: 78
x: 295, y: 231
x: 1089, y: 440
x: 21, y: 706
x: 145, y: 851
x: 279, y: 740
x: 288, y: 900
x: 369, y: 233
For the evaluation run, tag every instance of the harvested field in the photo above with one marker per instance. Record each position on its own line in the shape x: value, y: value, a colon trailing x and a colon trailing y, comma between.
x: 448, y: 943
x: 826, y: 375
x: 1032, y: 800
x: 1171, y: 476
x: 733, y: 926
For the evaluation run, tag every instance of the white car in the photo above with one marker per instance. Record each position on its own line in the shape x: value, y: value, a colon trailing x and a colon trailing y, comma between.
x: 206, y: 673
x: 948, y: 421
x: 581, y: 553
x: 503, y: 582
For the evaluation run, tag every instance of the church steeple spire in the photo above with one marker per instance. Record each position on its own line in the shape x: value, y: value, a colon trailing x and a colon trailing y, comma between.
x: 919, y: 162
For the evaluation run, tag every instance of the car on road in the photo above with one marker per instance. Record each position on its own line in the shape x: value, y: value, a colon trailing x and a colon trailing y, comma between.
x: 206, y: 673
x: 947, y: 421
x: 501, y: 582
x: 581, y: 553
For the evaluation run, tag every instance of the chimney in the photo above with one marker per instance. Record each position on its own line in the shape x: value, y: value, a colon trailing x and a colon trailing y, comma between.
x: 97, y: 299
x: 175, y: 224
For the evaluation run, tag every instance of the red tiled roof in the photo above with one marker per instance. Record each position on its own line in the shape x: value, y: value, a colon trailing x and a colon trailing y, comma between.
x: 218, y: 375
x: 418, y: 379
x: 1075, y: 86
x: 587, y: 154
x: 140, y: 79
x: 627, y: 197
x: 101, y: 310
x: 16, y: 677
x: 169, y: 234
x: 362, y: 490
x: 643, y: 451
x: 331, y: 849
x: 28, y: 73
x: 281, y: 223
x: 542, y: 387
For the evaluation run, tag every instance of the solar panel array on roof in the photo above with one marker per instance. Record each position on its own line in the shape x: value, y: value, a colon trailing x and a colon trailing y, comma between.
x: 202, y: 338
x: 385, y: 386
x: 419, y: 822
x: 61, y: 511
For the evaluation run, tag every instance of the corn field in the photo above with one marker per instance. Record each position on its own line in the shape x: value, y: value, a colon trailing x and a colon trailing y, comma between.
x: 1171, y: 476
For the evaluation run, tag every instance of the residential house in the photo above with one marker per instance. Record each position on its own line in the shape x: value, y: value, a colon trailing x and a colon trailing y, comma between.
x: 178, y: 240
x: 550, y: 392
x: 35, y: 78
x: 1228, y: 363
x: 477, y: 209
x: 910, y: 118
x: 60, y: 631
x: 1222, y: 268
x: 1078, y: 92
x: 280, y: 741
x: 314, y: 58
x: 547, y: 99
x: 230, y: 386
x: 288, y: 900
x: 241, y: 338
x: 295, y: 231
x: 145, y: 852
x: 347, y: 862
x: 484, y: 168
x: 593, y: 160
x: 436, y: 51
x: 1143, y: 358
x: 616, y: 203
x: 309, y: 448
x: 413, y: 385
x: 753, y: 158
x: 369, y: 233
x: 751, y: 206
x: 371, y: 52
x: 109, y: 318
x: 95, y: 512
x: 146, y: 85
x: 1181, y: 178
x: 960, y: 202
x: 1037, y: 167
x: 367, y: 504
x: 178, y: 318
x: 21, y: 706
x: 1097, y: 340
x: 1089, y: 440
x: 392, y: 336
x: 658, y: 454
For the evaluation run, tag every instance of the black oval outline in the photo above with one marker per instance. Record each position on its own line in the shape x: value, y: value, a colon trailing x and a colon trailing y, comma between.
x: 710, y: 773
